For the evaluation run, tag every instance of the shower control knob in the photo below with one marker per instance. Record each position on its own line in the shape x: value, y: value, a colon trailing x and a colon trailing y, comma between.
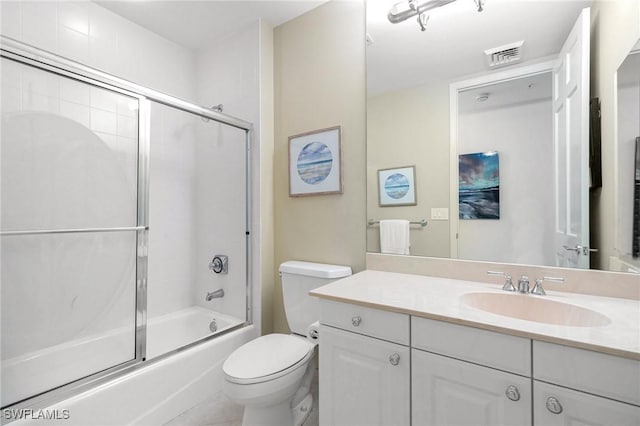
x: 219, y: 264
x: 553, y: 405
x: 394, y: 358
x: 512, y: 393
x: 355, y: 321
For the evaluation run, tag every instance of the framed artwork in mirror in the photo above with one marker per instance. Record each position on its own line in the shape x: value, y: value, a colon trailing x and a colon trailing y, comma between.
x: 397, y: 187
x: 479, y: 185
x: 315, y: 163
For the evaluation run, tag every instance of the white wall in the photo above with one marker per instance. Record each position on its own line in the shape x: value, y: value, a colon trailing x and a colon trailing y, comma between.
x: 522, y: 135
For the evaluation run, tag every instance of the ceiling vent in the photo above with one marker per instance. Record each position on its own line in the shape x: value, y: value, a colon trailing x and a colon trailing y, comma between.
x: 504, y: 55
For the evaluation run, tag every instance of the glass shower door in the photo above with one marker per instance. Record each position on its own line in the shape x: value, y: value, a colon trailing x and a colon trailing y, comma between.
x: 69, y: 229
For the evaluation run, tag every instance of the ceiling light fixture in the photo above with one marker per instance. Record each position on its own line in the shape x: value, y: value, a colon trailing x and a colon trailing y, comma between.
x: 404, y: 10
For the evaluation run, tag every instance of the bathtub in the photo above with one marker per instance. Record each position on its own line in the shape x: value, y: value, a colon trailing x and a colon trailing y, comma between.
x: 155, y: 391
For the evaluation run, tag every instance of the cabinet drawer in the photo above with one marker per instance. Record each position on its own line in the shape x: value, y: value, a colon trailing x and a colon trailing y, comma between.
x: 593, y: 372
x: 390, y: 326
x: 508, y: 353
x: 571, y: 407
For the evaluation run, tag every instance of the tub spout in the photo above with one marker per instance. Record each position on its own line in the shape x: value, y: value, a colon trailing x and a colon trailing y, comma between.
x: 215, y: 294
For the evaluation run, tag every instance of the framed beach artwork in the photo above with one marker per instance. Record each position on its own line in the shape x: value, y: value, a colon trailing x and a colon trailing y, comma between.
x: 397, y: 186
x: 315, y: 163
x: 479, y: 185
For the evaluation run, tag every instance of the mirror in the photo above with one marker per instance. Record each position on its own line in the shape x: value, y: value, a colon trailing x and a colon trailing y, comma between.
x: 433, y: 95
x: 628, y: 238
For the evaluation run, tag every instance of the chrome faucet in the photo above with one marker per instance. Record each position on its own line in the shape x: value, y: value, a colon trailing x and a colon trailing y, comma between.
x: 215, y: 294
x: 537, y: 288
x: 508, y: 283
x: 523, y: 284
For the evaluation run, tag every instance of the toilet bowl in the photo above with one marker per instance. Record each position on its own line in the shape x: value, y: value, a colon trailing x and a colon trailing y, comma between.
x: 271, y: 375
x: 267, y: 376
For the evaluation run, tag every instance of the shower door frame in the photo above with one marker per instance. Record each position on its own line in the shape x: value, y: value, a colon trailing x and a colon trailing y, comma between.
x: 30, y: 56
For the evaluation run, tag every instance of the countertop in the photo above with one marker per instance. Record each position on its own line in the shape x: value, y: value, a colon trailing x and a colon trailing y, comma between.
x: 442, y: 299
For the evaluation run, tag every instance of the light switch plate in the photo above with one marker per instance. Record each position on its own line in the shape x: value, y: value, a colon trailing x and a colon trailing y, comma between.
x: 440, y: 213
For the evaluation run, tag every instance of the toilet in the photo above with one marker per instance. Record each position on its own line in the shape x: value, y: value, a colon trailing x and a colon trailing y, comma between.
x: 271, y: 375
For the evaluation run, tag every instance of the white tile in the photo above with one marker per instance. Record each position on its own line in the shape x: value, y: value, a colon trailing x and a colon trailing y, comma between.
x: 76, y: 112
x: 73, y: 45
x: 11, y: 73
x: 41, y: 82
x: 128, y: 106
x: 75, y: 91
x: 11, y: 99
x: 74, y: 15
x: 39, y: 24
x: 102, y: 22
x: 32, y: 101
x: 104, y: 99
x: 102, y: 53
x: 109, y: 140
x: 11, y: 14
x: 127, y: 127
x: 103, y: 121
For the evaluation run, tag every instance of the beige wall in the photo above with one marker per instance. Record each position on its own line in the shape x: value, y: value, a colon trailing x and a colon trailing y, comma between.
x: 319, y: 73
x: 615, y: 29
x: 404, y: 128
x: 266, y: 176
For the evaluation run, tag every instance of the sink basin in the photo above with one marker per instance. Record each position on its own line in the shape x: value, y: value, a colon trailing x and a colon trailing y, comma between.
x: 534, y: 308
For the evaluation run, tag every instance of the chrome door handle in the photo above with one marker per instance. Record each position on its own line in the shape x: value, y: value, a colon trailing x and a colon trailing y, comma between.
x: 512, y: 393
x: 394, y: 358
x: 553, y: 405
x: 355, y: 321
x: 580, y: 249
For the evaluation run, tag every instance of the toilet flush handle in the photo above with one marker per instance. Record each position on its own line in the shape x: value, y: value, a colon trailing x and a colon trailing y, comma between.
x: 355, y: 321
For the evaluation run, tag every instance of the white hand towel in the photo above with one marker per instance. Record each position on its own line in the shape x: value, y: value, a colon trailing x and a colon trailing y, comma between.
x: 394, y: 236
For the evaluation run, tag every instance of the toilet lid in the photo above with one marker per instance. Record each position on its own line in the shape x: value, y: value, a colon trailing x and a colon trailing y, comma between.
x: 265, y: 356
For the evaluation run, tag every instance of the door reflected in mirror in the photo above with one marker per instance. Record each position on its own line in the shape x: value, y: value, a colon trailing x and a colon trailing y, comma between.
x: 435, y: 94
x: 628, y: 233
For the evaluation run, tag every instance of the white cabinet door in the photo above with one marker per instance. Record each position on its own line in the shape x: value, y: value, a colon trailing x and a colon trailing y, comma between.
x: 446, y: 391
x: 578, y: 408
x: 363, y: 381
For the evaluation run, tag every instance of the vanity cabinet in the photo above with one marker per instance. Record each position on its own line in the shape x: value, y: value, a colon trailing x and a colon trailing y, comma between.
x: 468, y: 376
x: 364, y: 380
x: 386, y: 368
x: 446, y: 391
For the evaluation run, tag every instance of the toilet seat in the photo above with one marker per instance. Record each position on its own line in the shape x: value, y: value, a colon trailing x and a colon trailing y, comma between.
x: 267, y: 358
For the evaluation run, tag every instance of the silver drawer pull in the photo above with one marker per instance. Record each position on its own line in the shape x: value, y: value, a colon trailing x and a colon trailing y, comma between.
x: 553, y: 405
x: 394, y: 358
x: 355, y: 321
x: 512, y: 393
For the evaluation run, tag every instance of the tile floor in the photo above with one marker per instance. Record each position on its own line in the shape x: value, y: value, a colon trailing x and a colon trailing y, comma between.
x: 220, y: 411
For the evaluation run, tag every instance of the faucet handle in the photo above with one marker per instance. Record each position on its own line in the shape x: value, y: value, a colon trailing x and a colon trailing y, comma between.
x: 523, y: 284
x: 537, y: 288
x: 508, y: 282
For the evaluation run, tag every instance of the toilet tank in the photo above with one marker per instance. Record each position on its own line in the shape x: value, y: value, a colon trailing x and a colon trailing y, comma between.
x: 298, y: 279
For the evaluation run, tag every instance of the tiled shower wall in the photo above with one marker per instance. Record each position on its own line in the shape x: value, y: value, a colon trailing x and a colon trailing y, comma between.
x: 89, y: 34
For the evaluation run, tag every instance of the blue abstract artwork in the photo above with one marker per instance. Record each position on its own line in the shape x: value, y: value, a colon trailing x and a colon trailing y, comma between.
x: 396, y: 186
x: 314, y: 163
x: 479, y: 185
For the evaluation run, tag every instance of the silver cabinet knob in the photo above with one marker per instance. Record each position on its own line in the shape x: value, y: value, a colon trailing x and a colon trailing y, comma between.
x: 512, y: 393
x: 356, y: 321
x: 553, y: 405
x: 394, y: 358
